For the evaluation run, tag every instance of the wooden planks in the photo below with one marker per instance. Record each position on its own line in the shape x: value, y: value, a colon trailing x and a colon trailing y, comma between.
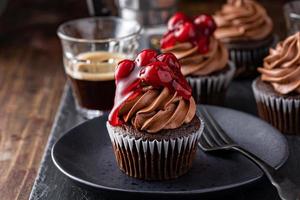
x: 30, y: 89
x: 31, y: 84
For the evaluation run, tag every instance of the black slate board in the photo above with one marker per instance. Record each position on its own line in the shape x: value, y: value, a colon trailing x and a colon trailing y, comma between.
x: 51, y: 184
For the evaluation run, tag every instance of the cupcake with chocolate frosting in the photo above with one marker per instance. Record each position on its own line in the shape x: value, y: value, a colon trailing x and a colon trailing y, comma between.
x: 247, y: 31
x: 204, y: 59
x: 153, y: 125
x: 277, y: 90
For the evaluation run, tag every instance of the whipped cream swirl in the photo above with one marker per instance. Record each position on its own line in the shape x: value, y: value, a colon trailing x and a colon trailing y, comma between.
x: 282, y: 67
x: 240, y: 20
x: 196, y: 64
x: 155, y: 110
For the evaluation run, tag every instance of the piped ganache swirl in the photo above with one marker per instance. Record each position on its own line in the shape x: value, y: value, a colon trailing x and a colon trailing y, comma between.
x: 152, y: 94
x: 193, y: 43
x: 195, y: 64
x: 242, y: 20
x: 282, y: 66
x: 155, y: 110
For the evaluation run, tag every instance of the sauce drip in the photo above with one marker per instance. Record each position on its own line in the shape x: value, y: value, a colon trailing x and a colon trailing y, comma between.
x: 148, y: 69
x: 196, y: 31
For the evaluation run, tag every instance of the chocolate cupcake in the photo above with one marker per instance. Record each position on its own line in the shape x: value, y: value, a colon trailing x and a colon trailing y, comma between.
x: 247, y: 31
x: 203, y: 58
x: 153, y: 125
x: 277, y: 90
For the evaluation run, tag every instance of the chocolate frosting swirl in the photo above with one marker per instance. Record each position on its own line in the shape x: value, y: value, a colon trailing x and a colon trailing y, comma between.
x: 196, y: 64
x: 282, y: 67
x: 155, y: 110
x: 240, y: 20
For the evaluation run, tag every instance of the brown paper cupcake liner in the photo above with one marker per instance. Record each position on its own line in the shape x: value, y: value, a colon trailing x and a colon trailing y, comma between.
x: 154, y: 159
x: 211, y: 89
x: 248, y: 59
x: 281, y: 112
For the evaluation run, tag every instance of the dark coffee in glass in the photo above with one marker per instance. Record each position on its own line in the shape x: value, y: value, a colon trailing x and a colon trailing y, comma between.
x: 92, y: 48
x: 92, y: 77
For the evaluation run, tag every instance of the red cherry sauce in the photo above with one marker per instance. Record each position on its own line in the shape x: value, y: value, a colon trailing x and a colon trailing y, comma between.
x: 197, y: 31
x: 148, y: 69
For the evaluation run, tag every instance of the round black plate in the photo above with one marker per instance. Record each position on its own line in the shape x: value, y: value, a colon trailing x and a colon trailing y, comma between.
x: 85, y: 155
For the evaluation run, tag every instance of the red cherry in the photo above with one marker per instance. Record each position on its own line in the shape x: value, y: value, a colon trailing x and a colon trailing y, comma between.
x: 124, y: 68
x: 182, y: 89
x: 164, y: 76
x: 149, y: 74
x: 205, y: 31
x: 156, y: 74
x: 169, y: 59
x: 185, y: 32
x: 145, y: 57
x: 205, y: 24
x: 168, y: 40
x: 176, y: 19
x: 203, y: 44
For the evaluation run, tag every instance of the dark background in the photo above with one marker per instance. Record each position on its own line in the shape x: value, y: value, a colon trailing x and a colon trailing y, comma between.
x: 29, y: 20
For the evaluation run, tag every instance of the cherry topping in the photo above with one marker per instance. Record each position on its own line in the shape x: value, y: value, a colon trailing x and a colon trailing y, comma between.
x: 160, y: 74
x: 168, y: 40
x: 205, y: 24
x: 176, y: 19
x: 124, y: 68
x: 145, y: 57
x: 132, y: 76
x: 185, y: 32
x: 183, y: 89
x: 170, y: 59
x: 156, y: 73
x: 183, y: 29
x: 203, y: 45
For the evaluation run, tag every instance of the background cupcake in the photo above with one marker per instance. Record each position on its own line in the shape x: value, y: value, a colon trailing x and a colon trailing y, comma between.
x: 277, y: 91
x: 247, y: 31
x: 203, y: 58
x: 153, y: 126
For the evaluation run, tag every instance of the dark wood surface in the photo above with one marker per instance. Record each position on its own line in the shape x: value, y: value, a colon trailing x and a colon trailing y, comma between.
x: 31, y: 84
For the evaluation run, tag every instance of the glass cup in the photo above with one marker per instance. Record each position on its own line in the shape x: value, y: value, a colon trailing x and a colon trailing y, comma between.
x: 292, y: 16
x: 92, y: 48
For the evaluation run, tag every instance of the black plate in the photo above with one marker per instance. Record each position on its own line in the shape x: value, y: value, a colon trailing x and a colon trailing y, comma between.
x: 85, y: 155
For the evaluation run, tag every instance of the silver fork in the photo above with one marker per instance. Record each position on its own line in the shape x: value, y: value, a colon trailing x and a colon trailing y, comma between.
x: 214, y: 138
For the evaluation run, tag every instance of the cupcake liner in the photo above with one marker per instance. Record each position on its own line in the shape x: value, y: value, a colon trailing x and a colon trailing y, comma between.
x: 211, y: 89
x: 283, y: 113
x: 247, y: 59
x: 154, y: 159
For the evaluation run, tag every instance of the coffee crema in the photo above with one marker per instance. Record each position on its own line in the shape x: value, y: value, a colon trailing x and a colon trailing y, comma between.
x: 92, y: 78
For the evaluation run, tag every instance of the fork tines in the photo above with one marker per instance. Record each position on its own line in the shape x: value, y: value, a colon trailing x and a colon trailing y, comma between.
x: 213, y: 137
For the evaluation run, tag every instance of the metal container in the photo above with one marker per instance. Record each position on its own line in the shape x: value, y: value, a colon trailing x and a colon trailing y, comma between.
x: 147, y: 12
x: 291, y: 12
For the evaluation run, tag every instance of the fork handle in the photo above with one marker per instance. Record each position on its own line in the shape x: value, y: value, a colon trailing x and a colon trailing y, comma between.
x: 287, y: 190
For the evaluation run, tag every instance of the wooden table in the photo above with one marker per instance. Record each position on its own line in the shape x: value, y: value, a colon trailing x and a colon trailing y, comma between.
x: 32, y: 80
x: 31, y: 83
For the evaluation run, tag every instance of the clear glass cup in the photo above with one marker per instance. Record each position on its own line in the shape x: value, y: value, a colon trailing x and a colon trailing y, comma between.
x: 292, y: 16
x: 92, y: 47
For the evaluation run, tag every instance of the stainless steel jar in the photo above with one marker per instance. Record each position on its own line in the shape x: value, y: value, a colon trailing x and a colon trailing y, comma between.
x: 147, y: 12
